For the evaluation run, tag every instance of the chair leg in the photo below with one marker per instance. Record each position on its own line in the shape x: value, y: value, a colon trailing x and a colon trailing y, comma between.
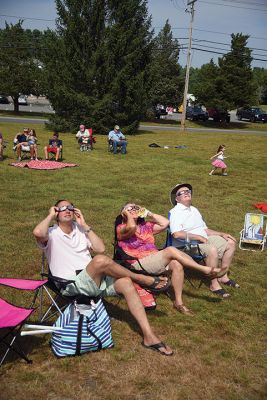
x: 10, y: 346
x: 49, y: 313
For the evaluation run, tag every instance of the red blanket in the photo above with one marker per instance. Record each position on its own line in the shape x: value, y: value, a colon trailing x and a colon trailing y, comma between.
x: 262, y: 207
x: 42, y: 164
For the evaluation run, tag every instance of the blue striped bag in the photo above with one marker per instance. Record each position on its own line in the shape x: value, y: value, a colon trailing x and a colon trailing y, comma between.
x: 83, y: 328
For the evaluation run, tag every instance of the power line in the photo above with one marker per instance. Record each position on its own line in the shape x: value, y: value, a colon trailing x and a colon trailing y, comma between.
x: 216, y: 52
x: 231, y: 6
x: 35, y: 19
x: 211, y: 41
x: 204, y: 30
x: 245, y: 3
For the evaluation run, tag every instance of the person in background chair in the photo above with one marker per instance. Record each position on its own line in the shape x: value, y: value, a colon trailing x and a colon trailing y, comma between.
x: 54, y: 146
x: 67, y: 246
x: 117, y: 139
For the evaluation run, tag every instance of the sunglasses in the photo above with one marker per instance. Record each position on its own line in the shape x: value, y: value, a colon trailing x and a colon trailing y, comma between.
x: 133, y: 208
x: 183, y: 192
x: 64, y: 208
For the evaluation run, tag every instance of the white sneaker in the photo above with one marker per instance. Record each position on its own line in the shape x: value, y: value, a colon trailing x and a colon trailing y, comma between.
x: 225, y: 174
x: 31, y: 158
x: 210, y: 173
x: 36, y: 159
x: 19, y: 158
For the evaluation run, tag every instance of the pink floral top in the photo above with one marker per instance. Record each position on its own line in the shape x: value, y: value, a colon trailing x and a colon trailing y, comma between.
x: 141, y: 244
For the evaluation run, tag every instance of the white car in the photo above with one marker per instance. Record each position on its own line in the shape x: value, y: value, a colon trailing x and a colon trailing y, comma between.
x: 22, y: 100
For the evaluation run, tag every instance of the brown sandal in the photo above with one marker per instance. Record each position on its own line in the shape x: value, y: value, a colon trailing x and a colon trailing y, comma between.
x: 183, y: 309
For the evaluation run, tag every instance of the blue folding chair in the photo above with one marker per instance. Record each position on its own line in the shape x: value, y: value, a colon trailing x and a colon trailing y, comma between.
x: 191, y: 247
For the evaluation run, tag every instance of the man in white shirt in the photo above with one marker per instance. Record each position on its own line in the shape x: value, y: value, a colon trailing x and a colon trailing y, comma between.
x: 118, y: 139
x: 186, y: 223
x: 67, y: 247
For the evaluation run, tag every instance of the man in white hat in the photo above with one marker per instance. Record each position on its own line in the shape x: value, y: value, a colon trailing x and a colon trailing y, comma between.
x: 186, y: 223
x: 118, y: 139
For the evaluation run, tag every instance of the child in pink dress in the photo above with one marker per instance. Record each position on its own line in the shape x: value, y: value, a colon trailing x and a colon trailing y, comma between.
x: 218, y: 162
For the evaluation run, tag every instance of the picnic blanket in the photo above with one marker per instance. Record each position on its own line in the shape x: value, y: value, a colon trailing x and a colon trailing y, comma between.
x: 42, y: 164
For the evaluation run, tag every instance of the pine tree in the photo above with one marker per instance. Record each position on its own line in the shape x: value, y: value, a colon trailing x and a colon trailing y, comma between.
x: 98, y: 63
x: 235, y: 82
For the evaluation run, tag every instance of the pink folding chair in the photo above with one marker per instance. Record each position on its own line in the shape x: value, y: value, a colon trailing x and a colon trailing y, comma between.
x: 12, y: 318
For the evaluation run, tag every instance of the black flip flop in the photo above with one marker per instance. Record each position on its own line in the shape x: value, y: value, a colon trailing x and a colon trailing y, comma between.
x: 231, y: 283
x: 157, y: 347
x: 152, y: 288
x: 221, y: 292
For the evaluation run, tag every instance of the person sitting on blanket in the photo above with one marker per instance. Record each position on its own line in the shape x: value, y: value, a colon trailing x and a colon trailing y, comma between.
x: 186, y: 222
x: 54, y: 146
x: 135, y: 236
x: 67, y: 246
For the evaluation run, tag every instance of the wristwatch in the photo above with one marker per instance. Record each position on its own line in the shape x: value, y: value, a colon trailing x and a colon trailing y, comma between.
x: 88, y: 230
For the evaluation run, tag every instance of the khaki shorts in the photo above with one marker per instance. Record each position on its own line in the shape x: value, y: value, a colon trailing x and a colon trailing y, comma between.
x: 153, y: 264
x: 84, y: 284
x: 217, y: 241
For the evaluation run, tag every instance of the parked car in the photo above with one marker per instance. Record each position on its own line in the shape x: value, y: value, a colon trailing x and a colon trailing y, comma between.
x: 4, y: 100
x: 253, y: 114
x: 196, y: 113
x: 219, y: 115
x: 159, y: 110
x: 22, y: 100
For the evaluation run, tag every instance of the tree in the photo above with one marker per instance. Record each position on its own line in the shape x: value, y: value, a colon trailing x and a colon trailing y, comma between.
x: 165, y: 85
x: 235, y: 81
x: 97, y: 63
x: 18, y: 66
x: 204, y: 85
x: 260, y: 79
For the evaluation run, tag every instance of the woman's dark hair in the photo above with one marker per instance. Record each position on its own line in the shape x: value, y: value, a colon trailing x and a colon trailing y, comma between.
x: 220, y: 148
x: 119, y: 220
x: 59, y: 201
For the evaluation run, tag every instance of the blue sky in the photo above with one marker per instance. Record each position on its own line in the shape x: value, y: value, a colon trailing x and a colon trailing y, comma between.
x: 214, y: 21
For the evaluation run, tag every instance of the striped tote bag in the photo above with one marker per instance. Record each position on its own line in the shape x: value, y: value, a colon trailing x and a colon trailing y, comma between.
x: 84, y: 328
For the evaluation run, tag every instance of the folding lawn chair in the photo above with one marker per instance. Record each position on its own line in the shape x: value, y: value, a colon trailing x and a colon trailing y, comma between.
x: 57, y: 301
x: 53, y: 287
x: 122, y: 258
x: 12, y: 318
x: 253, y: 235
x: 191, y: 248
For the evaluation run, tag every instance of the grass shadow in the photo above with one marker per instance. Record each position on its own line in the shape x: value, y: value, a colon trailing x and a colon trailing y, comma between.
x: 26, y: 343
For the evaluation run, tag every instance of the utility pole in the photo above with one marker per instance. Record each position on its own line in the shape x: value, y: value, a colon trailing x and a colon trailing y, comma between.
x: 188, y: 63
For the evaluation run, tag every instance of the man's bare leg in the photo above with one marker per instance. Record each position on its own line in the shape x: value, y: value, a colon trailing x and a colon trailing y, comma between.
x: 102, y: 265
x: 227, y: 259
x: 125, y: 287
x: 46, y: 152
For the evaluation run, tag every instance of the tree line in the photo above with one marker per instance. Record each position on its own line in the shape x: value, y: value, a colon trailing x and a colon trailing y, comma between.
x: 103, y: 65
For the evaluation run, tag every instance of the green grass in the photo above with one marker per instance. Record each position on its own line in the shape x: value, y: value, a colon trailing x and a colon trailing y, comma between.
x: 220, y: 352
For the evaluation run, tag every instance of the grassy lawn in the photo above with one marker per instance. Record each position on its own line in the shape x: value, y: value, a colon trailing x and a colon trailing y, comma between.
x: 219, y: 353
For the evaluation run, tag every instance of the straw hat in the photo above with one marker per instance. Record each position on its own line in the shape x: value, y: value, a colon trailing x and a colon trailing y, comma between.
x: 175, y: 189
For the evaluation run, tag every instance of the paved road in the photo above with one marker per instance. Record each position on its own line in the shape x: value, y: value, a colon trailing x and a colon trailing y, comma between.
x: 200, y: 130
x: 142, y: 127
